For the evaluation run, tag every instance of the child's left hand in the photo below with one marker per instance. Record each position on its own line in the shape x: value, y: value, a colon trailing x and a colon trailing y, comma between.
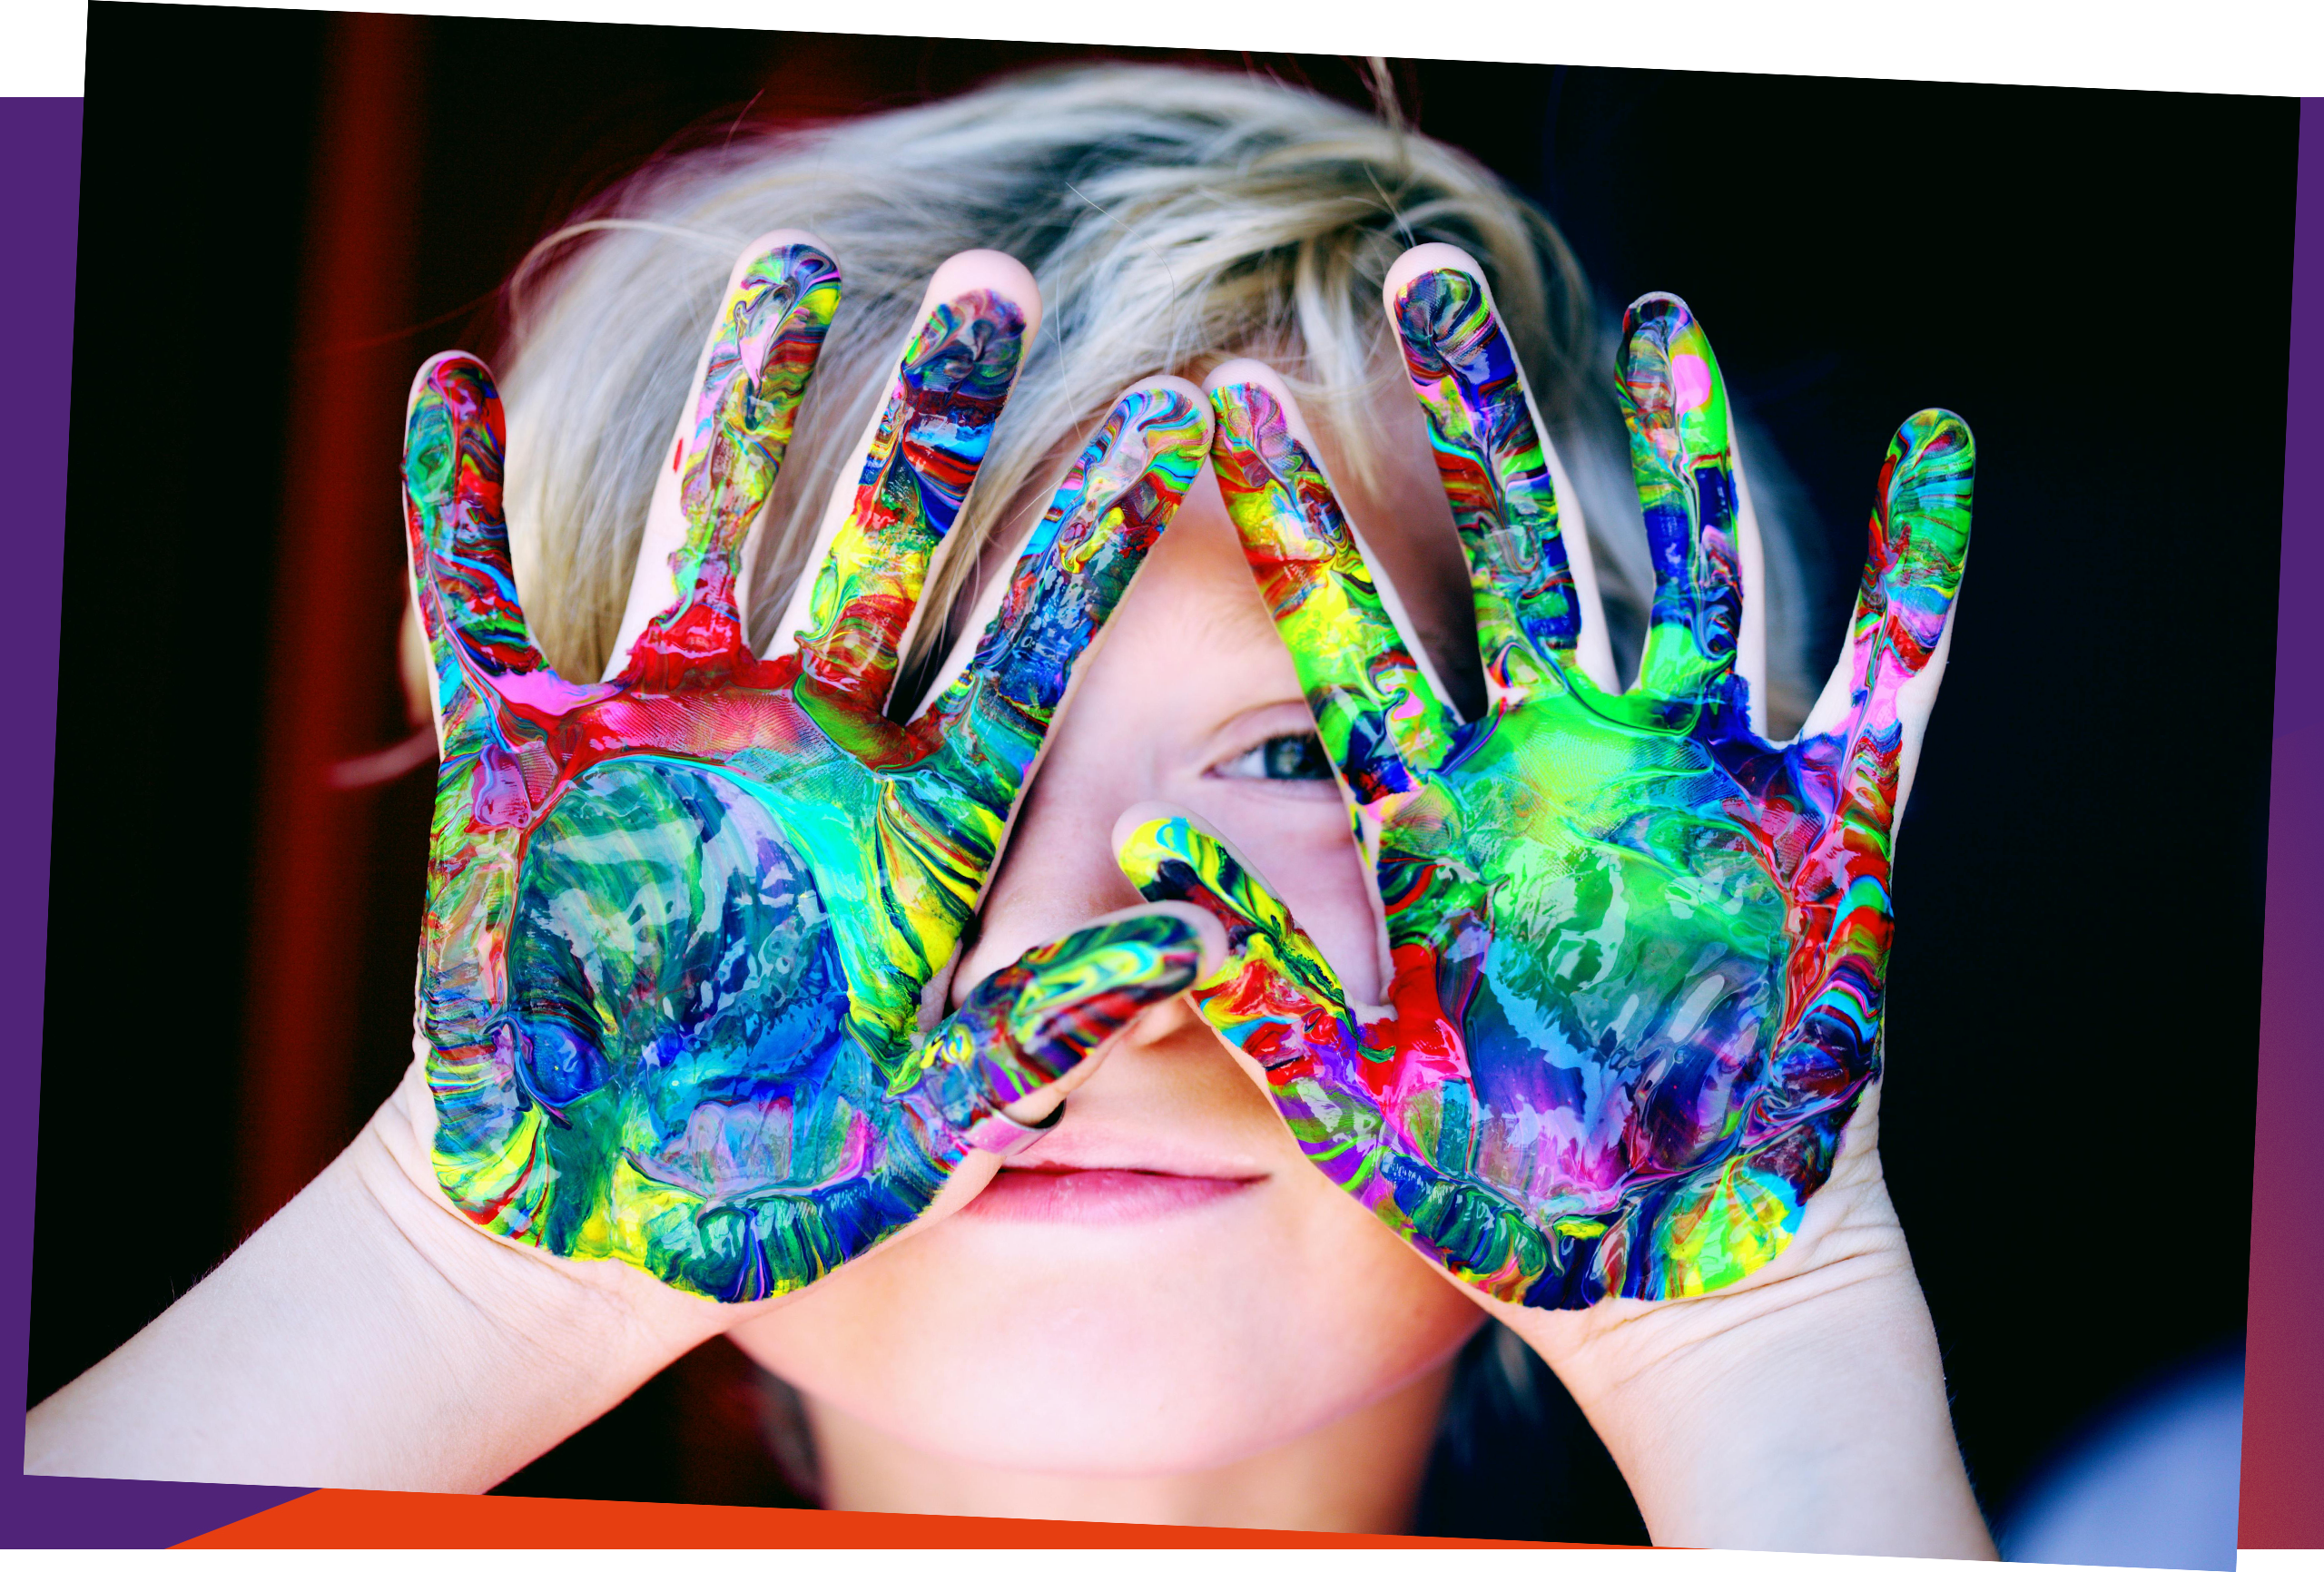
x: 1637, y: 952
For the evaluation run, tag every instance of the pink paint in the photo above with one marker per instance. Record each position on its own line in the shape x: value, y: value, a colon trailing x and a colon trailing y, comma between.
x: 1689, y: 381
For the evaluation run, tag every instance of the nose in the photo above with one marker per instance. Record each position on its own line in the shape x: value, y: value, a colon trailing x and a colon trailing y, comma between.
x: 1112, y: 745
x: 1057, y: 874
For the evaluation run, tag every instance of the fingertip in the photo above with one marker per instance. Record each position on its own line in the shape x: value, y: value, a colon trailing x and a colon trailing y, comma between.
x: 1432, y: 257
x: 1931, y: 477
x: 994, y: 273
x: 1140, y: 827
x: 1652, y: 327
x: 1662, y: 336
x: 1208, y: 932
x: 1249, y: 396
x: 1656, y: 309
x: 1172, y: 402
x: 1148, y: 835
x: 1442, y: 311
x: 453, y: 408
x: 1937, y: 433
x: 1151, y: 838
x: 427, y: 376
x: 1243, y: 371
x: 759, y: 248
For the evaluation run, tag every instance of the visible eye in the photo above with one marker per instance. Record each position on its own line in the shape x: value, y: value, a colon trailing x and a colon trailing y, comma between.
x: 1294, y: 756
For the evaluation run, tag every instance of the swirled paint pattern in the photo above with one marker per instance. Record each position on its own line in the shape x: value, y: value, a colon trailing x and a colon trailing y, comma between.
x: 1495, y: 471
x: 1637, y: 952
x: 680, y: 924
x: 929, y: 439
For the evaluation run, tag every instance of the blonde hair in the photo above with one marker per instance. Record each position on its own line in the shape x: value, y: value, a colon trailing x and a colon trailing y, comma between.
x: 1173, y: 218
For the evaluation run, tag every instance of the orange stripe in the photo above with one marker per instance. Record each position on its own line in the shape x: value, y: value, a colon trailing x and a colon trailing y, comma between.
x: 394, y: 1519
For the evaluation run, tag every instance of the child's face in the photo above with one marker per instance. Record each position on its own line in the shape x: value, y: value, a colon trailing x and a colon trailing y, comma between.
x: 1163, y: 1283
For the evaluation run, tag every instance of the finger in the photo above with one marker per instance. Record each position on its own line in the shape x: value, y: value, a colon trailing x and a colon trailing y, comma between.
x: 1916, y: 702
x: 1276, y: 998
x: 919, y: 457
x: 1675, y: 405
x: 1848, y: 775
x: 457, y: 544
x: 1379, y: 714
x: 1851, y: 776
x: 1903, y: 617
x: 1034, y: 1021
x: 1536, y: 594
x: 987, y: 725
x: 685, y: 607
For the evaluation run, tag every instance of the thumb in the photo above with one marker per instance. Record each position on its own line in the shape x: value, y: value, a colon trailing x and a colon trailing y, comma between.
x: 1276, y: 998
x: 1038, y: 1017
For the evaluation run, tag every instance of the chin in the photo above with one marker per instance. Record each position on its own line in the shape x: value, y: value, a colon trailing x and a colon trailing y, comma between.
x: 1154, y: 1345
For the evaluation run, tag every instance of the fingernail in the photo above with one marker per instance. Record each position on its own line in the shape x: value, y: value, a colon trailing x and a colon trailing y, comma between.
x: 1248, y: 415
x: 953, y: 385
x: 967, y: 348
x: 1934, y: 461
x: 1147, y: 852
x: 781, y: 311
x: 1155, y: 435
x: 1664, y: 347
x: 1442, y: 315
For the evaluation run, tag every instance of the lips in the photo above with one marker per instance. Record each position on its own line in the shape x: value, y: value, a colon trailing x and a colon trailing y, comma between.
x: 1056, y: 1193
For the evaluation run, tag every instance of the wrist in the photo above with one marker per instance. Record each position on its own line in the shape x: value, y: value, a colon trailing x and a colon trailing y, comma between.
x: 368, y: 1336
x: 1801, y: 1409
x: 544, y: 1311
x: 474, y: 1356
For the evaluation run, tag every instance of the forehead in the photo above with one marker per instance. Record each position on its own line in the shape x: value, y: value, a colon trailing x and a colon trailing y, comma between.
x: 1196, y: 591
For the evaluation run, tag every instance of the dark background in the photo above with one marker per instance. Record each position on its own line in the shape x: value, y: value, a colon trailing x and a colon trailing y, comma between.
x: 282, y: 213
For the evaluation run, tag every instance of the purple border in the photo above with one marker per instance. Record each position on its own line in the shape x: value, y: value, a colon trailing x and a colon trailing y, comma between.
x: 39, y: 190
x: 2283, y: 1411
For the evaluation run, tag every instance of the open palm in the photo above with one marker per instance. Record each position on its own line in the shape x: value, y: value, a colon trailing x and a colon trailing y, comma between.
x: 1636, y: 951
x: 681, y: 922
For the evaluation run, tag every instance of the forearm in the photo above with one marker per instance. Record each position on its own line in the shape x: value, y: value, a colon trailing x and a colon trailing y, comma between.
x: 1806, y: 1411
x: 365, y: 1336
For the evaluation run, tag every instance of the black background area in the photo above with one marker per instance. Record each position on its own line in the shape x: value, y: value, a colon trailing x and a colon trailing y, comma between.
x: 2097, y: 281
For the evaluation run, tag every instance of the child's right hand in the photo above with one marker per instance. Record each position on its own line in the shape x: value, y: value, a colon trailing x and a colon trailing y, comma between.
x: 681, y: 923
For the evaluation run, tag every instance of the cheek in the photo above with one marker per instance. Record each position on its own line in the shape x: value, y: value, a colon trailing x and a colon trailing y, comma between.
x: 1138, y: 1351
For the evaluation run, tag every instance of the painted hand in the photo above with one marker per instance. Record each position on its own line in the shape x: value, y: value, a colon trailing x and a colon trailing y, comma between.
x: 1636, y: 951
x: 681, y: 923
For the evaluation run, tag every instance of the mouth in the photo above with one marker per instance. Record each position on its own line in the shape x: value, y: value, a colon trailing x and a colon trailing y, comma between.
x: 1102, y: 1197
